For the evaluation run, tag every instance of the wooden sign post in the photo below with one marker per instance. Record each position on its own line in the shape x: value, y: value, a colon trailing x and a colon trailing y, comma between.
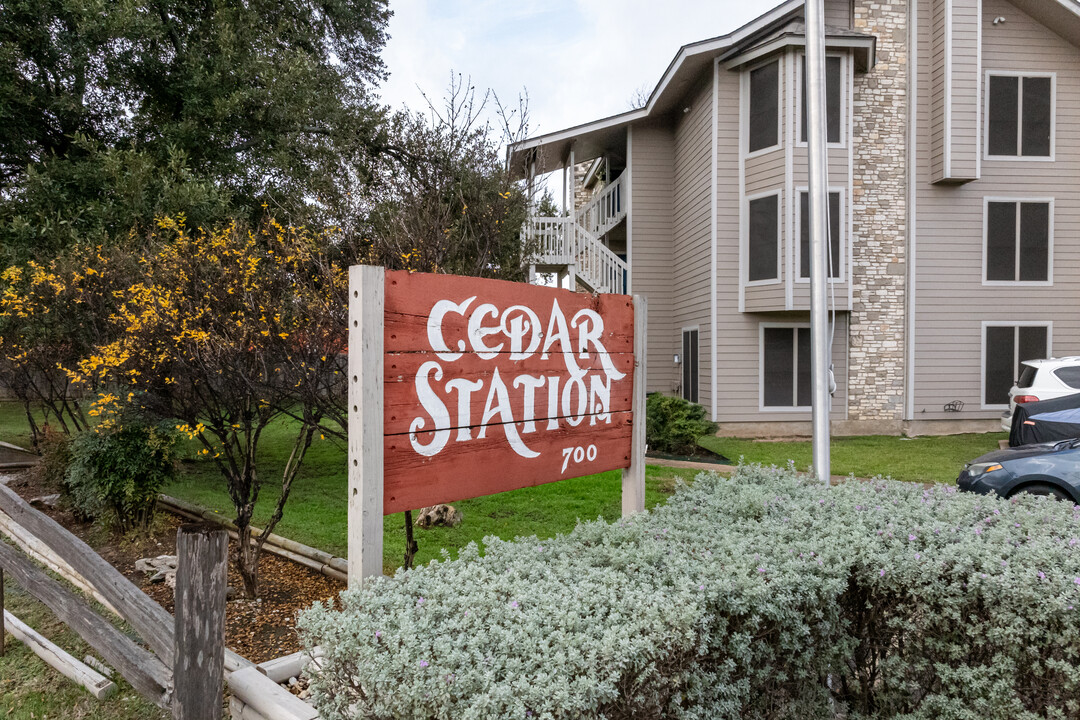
x: 463, y: 387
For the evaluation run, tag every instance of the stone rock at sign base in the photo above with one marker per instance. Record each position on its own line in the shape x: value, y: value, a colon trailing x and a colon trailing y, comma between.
x: 438, y: 516
x: 46, y: 500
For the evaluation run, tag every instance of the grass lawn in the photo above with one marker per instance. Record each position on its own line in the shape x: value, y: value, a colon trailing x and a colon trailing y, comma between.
x: 921, y: 459
x: 316, y: 513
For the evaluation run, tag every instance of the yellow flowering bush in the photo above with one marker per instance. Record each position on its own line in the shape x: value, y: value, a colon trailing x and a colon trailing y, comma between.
x: 224, y: 331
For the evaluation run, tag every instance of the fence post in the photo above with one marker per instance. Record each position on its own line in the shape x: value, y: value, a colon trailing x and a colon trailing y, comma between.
x: 201, y: 582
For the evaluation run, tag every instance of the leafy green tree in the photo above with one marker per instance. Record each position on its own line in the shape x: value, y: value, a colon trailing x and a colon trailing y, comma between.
x: 114, y: 113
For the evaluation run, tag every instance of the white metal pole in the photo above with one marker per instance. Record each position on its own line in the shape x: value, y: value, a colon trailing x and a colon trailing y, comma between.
x: 818, y: 181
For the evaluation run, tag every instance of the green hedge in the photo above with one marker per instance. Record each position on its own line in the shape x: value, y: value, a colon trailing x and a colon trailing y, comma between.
x: 763, y: 596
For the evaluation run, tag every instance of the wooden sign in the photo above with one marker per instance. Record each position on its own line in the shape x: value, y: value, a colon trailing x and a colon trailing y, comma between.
x: 462, y: 387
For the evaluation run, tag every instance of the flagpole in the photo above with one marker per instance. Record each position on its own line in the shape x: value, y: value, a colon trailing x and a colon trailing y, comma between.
x: 818, y: 182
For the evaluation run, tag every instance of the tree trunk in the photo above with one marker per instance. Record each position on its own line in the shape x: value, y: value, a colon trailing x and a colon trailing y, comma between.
x: 247, y: 562
x: 410, y: 544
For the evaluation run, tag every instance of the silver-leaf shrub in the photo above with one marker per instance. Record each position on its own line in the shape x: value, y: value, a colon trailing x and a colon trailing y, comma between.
x: 762, y: 596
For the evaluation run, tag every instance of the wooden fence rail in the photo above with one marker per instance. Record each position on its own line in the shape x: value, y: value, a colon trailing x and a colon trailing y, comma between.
x: 151, y: 621
x: 146, y: 673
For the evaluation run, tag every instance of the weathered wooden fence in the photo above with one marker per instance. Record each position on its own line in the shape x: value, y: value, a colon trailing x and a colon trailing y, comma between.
x: 184, y: 659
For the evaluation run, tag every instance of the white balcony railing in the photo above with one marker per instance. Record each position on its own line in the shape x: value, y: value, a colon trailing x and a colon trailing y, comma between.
x: 604, y: 211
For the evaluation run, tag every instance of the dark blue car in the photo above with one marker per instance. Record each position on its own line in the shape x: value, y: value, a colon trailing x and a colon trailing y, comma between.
x: 1051, y: 468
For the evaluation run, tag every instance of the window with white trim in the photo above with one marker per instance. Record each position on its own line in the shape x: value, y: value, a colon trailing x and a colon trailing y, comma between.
x: 785, y: 367
x: 834, y: 235
x: 1019, y: 115
x: 763, y: 129
x: 1005, y: 346
x: 834, y: 79
x: 763, y: 252
x: 1017, y: 241
x: 690, y: 365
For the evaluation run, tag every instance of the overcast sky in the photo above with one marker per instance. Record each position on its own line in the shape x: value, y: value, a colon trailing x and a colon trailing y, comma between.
x: 580, y: 60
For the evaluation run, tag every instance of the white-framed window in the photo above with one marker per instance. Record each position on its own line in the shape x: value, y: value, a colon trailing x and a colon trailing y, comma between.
x: 690, y: 364
x: 1020, y: 115
x: 763, y: 107
x: 762, y: 239
x: 1005, y: 345
x: 836, y: 236
x: 1018, y: 241
x: 784, y: 360
x: 836, y: 93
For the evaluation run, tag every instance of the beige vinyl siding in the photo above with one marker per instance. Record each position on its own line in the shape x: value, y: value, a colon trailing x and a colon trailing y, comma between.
x: 951, y: 301
x: 652, y: 169
x: 838, y: 13
x: 932, y: 38
x: 765, y: 172
x: 954, y: 64
x: 692, y: 229
x: 965, y: 115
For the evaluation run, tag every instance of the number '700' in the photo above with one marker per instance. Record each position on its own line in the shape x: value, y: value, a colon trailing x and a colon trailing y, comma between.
x: 578, y: 455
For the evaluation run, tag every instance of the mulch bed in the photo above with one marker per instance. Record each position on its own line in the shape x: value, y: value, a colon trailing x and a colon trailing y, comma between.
x: 260, y: 629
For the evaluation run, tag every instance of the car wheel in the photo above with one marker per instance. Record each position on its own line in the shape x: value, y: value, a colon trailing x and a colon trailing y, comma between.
x: 1044, y: 489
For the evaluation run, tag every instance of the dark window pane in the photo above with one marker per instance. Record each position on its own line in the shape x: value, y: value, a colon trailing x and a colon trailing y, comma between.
x: 1032, y: 343
x: 833, y: 85
x: 778, y: 366
x: 999, y: 370
x: 1003, y: 115
x: 764, y: 106
x: 694, y: 366
x: 1001, y: 241
x: 804, y: 234
x: 1034, y: 241
x: 690, y: 365
x: 1036, y: 117
x: 805, y: 394
x: 1070, y: 376
x: 762, y: 238
x: 834, y: 234
x: 1027, y: 377
x: 686, y: 365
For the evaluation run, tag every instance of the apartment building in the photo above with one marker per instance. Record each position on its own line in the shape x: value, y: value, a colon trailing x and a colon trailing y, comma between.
x: 954, y: 160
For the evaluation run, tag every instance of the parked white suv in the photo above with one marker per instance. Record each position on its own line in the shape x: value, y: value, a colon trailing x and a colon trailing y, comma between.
x: 1043, y: 380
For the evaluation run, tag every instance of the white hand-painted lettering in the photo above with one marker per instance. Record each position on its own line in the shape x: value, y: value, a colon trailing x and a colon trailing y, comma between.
x: 507, y: 337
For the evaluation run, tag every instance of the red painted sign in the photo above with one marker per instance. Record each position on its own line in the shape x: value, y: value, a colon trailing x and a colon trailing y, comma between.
x: 491, y: 386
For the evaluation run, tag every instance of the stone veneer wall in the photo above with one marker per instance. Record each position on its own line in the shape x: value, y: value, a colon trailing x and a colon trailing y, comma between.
x: 879, y: 210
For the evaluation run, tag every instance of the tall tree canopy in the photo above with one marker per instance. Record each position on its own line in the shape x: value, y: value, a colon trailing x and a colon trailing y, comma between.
x: 113, y: 112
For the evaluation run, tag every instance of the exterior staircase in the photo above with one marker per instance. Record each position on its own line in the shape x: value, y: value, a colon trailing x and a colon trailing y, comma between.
x: 573, y: 244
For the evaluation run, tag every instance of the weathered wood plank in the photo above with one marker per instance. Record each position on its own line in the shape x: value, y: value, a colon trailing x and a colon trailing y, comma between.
x: 149, y: 619
x: 147, y: 674
x: 366, y: 351
x: 40, y: 552
x: 409, y: 301
x: 56, y: 657
x: 2, y: 631
x: 466, y: 469
x: 201, y: 581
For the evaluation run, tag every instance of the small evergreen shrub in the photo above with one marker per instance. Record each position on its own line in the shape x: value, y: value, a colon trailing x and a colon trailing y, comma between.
x: 764, y: 596
x: 673, y: 425
x: 55, y: 448
x: 117, y: 470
